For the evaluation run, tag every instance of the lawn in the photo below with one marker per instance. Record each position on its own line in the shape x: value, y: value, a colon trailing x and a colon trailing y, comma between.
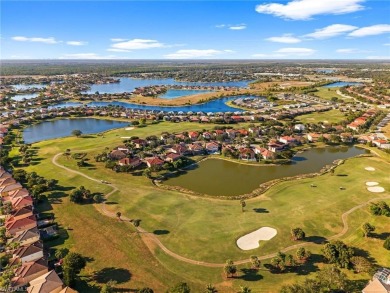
x: 331, y: 116
x: 328, y: 93
x: 198, y: 228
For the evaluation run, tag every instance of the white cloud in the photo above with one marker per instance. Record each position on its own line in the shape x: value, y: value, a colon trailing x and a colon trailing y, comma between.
x: 379, y: 57
x: 50, y: 40
x: 287, y: 39
x: 373, y: 30
x: 137, y: 44
x: 87, y: 56
x: 351, y: 51
x: 117, y: 50
x: 296, y: 51
x: 76, y: 43
x: 238, y: 27
x: 220, y: 25
x: 118, y: 40
x: 331, y: 31
x: 193, y: 54
x: 306, y: 9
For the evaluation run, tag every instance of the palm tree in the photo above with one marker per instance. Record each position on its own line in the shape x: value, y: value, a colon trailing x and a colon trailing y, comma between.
x: 210, y: 289
x: 245, y: 289
x: 243, y: 205
x: 118, y: 214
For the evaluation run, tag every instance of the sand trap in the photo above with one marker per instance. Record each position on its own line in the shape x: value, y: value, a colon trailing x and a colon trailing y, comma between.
x: 129, y: 128
x: 376, y: 189
x: 371, y: 183
x: 369, y: 168
x: 251, y: 240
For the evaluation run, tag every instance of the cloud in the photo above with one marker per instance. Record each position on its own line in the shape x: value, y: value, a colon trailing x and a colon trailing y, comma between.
x: 238, y: 27
x: 50, y: 40
x: 220, y: 25
x: 193, y: 54
x: 373, y: 30
x: 306, y: 9
x: 117, y: 50
x: 87, y: 56
x: 351, y: 51
x: 379, y: 57
x: 287, y: 39
x: 296, y: 51
x: 137, y: 44
x: 331, y: 31
x: 76, y: 43
x: 118, y: 40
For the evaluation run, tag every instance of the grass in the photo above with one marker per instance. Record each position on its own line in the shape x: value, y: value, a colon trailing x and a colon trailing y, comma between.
x: 198, y: 228
x: 331, y: 116
x: 328, y: 93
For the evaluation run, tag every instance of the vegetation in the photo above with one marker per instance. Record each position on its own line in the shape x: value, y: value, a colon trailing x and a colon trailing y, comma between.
x: 367, y: 229
x: 230, y: 269
x: 298, y: 234
x: 180, y: 288
x: 386, y: 244
x: 72, y: 264
x: 338, y: 253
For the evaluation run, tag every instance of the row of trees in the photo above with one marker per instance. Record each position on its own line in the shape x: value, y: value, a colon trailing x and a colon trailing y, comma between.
x: 81, y: 194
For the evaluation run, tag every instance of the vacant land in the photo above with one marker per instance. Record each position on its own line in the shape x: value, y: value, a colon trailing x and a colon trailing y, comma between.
x: 328, y: 117
x: 199, y: 228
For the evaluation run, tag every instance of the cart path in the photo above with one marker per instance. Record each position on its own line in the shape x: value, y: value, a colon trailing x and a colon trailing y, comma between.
x: 148, y: 236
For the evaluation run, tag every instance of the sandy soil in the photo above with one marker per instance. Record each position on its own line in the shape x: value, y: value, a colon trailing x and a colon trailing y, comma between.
x: 376, y: 189
x: 251, y: 240
x: 370, y: 168
x: 372, y: 183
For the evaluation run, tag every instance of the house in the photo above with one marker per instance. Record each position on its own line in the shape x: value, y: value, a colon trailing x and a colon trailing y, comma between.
x: 16, y: 227
x: 117, y: 155
x: 21, y: 213
x: 21, y: 202
x: 207, y: 135
x: 275, y: 146
x: 313, y: 137
x: 180, y: 149
x: 16, y: 193
x: 196, y: 148
x: 288, y: 140
x: 139, y: 143
x: 299, y: 127
x: 154, y: 162
x: 193, y: 135
x: 28, y: 272
x: 267, y: 154
x: 124, y: 149
x: 380, y: 282
x: 28, y: 253
x: 48, y: 283
x: 7, y: 181
x: 246, y: 154
x: 346, y: 137
x: 133, y: 162
x: 212, y: 147
x: 231, y: 133
x: 381, y: 143
x: 5, y: 190
x: 67, y: 290
x: 172, y: 157
x: 27, y: 237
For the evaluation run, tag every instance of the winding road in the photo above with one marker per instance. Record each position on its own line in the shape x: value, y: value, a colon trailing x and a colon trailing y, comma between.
x: 148, y: 236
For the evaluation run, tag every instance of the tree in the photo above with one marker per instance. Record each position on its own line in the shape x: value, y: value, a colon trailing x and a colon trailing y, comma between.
x: 61, y: 253
x: 180, y: 288
x: 77, y: 132
x: 298, y: 234
x: 98, y: 198
x: 210, y: 289
x: 245, y: 289
x: 256, y: 263
x: 302, y: 254
x: 108, y: 287
x: 145, y: 290
x: 338, y: 253
x: 386, y: 244
x: 76, y: 196
x: 230, y: 269
x: 72, y: 264
x: 243, y: 205
x: 367, y: 229
x: 332, y: 278
x: 361, y: 264
x: 118, y: 215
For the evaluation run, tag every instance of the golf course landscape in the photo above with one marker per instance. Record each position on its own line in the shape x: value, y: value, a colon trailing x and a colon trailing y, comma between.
x: 183, y: 237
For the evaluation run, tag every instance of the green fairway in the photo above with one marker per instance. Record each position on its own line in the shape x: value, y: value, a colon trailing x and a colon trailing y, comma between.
x: 199, y: 228
x: 328, y: 117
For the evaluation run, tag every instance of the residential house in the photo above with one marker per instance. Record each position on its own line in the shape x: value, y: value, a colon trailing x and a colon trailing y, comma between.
x: 212, y: 147
x: 180, y: 149
x: 381, y: 143
x: 20, y: 202
x: 172, y: 157
x: 15, y: 194
x: 139, y: 143
x: 133, y: 162
x: 21, y: 213
x: 27, y: 237
x: 28, y: 253
x: 288, y: 140
x: 124, y: 149
x: 155, y: 162
x: 48, y: 283
x: 313, y: 137
x: 299, y: 127
x: 16, y: 227
x: 380, y: 282
x: 246, y: 154
x: 207, y: 135
x: 28, y: 272
x: 193, y: 135
x: 276, y: 146
x: 196, y: 148
x: 231, y: 133
x: 117, y: 155
x: 5, y: 190
x: 346, y: 137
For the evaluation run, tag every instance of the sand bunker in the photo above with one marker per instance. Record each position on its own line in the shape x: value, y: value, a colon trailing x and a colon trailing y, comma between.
x: 129, y: 128
x: 376, y: 189
x: 371, y: 183
x: 369, y: 168
x: 251, y: 240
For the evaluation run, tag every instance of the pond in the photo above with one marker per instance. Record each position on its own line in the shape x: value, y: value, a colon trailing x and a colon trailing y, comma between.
x: 214, y: 106
x: 64, y: 127
x: 224, y: 178
x: 29, y: 86
x: 24, y: 97
x: 341, y: 84
x: 173, y: 93
x: 127, y: 84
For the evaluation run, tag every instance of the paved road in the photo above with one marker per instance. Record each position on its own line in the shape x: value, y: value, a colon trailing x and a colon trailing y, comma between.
x: 147, y: 236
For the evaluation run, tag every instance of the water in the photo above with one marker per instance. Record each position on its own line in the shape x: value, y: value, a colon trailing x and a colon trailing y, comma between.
x: 127, y: 84
x: 66, y: 105
x: 64, y: 127
x: 220, y: 177
x: 212, y: 106
x: 341, y: 84
x: 29, y: 86
x: 25, y: 96
x: 173, y: 93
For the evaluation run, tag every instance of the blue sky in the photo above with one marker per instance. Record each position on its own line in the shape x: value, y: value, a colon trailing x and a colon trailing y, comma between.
x: 273, y: 29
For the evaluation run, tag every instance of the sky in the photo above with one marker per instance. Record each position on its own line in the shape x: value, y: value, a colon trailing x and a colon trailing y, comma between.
x: 264, y: 29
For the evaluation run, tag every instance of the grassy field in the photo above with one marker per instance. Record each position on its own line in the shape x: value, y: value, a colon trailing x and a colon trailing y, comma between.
x: 332, y: 116
x: 199, y: 228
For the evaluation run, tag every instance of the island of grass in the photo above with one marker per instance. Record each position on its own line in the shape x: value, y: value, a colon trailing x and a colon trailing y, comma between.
x: 200, y: 229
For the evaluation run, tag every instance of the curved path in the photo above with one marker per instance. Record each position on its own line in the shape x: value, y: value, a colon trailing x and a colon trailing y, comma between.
x: 150, y: 236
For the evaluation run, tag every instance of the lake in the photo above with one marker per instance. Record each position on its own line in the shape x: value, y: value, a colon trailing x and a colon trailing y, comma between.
x: 64, y: 127
x: 341, y: 84
x: 29, y: 86
x: 174, y: 93
x: 127, y: 84
x: 225, y: 178
x: 24, y: 97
